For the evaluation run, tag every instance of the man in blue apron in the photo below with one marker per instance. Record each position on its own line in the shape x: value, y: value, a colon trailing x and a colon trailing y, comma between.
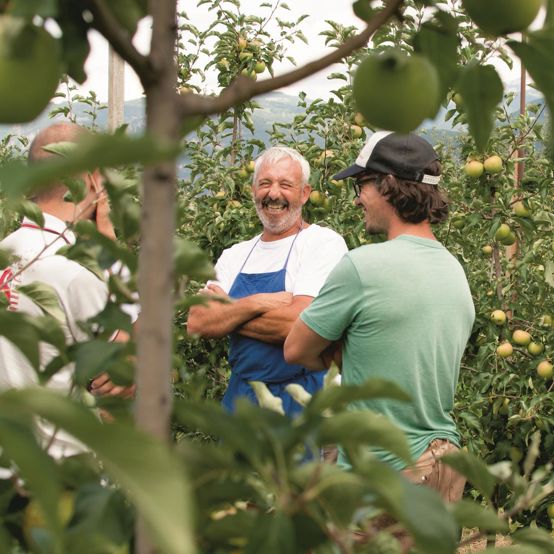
x: 270, y: 279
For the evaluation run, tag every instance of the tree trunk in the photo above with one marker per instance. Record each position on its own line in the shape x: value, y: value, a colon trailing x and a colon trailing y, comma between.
x: 154, y: 354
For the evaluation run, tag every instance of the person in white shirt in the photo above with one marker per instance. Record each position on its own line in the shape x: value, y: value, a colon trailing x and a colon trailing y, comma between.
x: 269, y: 279
x: 81, y: 293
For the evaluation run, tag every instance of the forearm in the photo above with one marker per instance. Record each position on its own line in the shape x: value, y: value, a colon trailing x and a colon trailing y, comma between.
x: 218, y: 319
x: 305, y: 347
x: 274, y: 325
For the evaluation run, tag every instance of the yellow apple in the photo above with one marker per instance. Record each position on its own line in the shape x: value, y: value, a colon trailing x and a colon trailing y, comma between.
x: 260, y: 67
x: 545, y: 370
x: 356, y: 131
x: 242, y: 43
x: 550, y: 511
x: 359, y: 119
x: 545, y: 321
x: 521, y: 337
x: 504, y: 350
x: 316, y: 198
x: 499, y: 317
x: 487, y: 249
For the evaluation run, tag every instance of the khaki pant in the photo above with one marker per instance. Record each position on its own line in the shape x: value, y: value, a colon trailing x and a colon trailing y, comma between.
x: 428, y: 471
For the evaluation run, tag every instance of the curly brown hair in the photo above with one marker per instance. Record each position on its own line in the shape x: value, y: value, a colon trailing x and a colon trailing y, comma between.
x: 415, y: 202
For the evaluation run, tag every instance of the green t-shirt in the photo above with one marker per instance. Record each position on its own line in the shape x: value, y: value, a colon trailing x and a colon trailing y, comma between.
x: 404, y: 311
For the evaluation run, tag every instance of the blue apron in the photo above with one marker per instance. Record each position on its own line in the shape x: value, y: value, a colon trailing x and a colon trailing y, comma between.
x: 254, y: 360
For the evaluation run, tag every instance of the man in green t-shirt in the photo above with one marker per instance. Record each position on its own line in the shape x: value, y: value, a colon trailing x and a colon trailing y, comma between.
x: 401, y: 310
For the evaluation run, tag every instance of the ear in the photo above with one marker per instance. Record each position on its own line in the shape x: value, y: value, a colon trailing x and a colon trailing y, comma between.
x: 306, y: 193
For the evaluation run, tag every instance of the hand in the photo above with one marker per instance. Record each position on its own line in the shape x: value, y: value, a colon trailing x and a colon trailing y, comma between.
x: 103, y: 386
x: 273, y: 300
x: 333, y: 353
x: 214, y: 290
x: 102, y: 215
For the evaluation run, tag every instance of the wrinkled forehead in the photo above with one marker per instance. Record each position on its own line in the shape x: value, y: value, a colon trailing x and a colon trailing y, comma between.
x: 283, y: 169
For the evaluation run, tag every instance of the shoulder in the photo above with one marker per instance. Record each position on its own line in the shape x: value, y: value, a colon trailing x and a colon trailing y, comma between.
x: 68, y: 272
x: 316, y: 234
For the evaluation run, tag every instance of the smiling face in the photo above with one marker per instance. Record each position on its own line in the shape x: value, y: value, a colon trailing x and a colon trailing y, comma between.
x: 377, y: 211
x: 279, y: 194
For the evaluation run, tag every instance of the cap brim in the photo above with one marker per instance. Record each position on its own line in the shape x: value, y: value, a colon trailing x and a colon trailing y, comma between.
x: 349, y: 172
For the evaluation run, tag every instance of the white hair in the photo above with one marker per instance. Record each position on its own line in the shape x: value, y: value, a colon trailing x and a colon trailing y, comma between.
x: 277, y: 153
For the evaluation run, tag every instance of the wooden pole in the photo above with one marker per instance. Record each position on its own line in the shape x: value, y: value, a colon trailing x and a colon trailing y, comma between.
x: 116, y: 91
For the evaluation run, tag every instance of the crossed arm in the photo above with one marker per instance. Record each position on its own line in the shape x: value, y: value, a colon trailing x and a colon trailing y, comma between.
x: 265, y: 316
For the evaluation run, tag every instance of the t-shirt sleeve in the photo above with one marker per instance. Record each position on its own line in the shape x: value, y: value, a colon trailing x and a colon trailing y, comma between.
x: 86, y: 296
x: 320, y: 256
x: 335, y: 308
x: 224, y: 275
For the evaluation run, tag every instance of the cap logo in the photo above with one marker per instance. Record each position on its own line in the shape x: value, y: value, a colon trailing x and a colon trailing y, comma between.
x: 431, y: 179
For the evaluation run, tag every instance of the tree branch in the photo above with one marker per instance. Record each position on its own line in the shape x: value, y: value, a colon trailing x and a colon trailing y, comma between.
x: 243, y: 88
x: 120, y: 40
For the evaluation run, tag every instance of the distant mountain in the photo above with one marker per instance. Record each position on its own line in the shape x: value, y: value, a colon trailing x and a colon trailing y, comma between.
x: 277, y: 107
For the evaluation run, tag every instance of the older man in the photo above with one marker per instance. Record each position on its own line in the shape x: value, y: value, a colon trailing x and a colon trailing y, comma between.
x: 270, y: 279
x: 81, y: 293
x: 402, y: 308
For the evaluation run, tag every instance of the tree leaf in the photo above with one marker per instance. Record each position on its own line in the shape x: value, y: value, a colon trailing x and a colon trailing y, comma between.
x: 481, y: 89
x: 94, y: 357
x: 44, y: 296
x: 440, y: 46
x: 34, y: 466
x: 149, y: 473
x: 32, y: 8
x: 337, y: 398
x: 16, y: 328
x: 474, y: 469
x: 91, y: 153
x: 549, y: 272
x: 364, y: 428
x: 432, y: 526
x: 191, y: 261
x: 272, y: 534
x: 536, y: 537
x: 470, y: 514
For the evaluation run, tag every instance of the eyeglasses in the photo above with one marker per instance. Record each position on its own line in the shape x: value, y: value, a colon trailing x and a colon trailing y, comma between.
x: 359, y: 183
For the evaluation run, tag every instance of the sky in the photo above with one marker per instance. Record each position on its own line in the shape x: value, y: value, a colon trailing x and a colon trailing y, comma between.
x: 317, y: 85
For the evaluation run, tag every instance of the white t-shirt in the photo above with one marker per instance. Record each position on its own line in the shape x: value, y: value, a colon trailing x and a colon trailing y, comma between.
x: 315, y: 253
x: 81, y: 295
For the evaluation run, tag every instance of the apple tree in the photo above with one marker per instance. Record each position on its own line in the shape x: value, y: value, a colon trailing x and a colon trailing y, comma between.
x: 249, y: 492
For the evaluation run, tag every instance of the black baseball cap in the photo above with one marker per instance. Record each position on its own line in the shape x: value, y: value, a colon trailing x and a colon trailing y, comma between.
x: 404, y: 156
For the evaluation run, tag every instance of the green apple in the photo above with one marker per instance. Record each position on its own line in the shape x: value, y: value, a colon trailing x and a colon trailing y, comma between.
x: 487, y: 249
x: 395, y: 91
x: 474, y: 169
x: 503, y: 232
x: 509, y: 240
x: 493, y: 164
x: 458, y: 221
x: 504, y: 350
x: 251, y: 166
x: 245, y: 56
x: 250, y: 74
x: 499, y: 317
x: 30, y: 69
x: 260, y: 67
x: 501, y: 17
x: 325, y: 155
x: 535, y: 348
x: 545, y: 369
x: 520, y: 209
x: 521, y: 337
